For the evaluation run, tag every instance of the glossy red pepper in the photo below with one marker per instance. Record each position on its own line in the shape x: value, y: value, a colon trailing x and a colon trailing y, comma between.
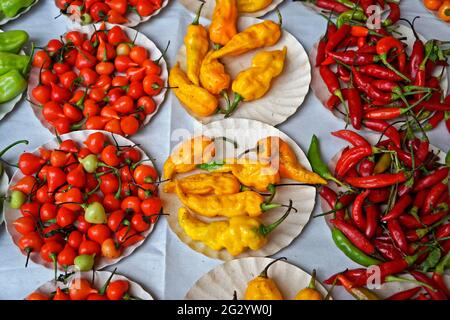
x: 355, y: 236
x: 379, y: 72
x: 397, y: 234
x: 435, y: 293
x: 351, y: 158
x: 385, y: 128
x: 352, y: 137
x: 355, y: 108
x: 432, y: 179
x: 394, y: 14
x: 332, y: 82
x: 357, y: 211
x: 387, y: 250
x: 405, y: 294
x: 377, y: 181
x: 338, y: 37
x: 351, y: 58
x: 433, y: 196
x: 399, y: 208
x: 372, y: 218
x: 379, y: 195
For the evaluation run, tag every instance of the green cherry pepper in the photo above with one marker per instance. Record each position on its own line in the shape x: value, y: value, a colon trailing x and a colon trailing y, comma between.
x: 89, y: 163
x: 13, y: 41
x: 10, y: 8
x: 84, y: 262
x: 95, y: 213
x: 11, y: 85
x: 11, y: 61
x: 17, y: 199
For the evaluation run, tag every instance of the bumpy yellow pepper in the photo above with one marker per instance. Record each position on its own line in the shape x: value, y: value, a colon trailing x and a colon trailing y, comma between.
x: 254, y: 174
x: 196, y: 99
x: 255, y: 82
x: 264, y: 34
x: 235, y: 235
x: 310, y: 292
x: 191, y: 152
x: 262, y: 287
x: 227, y: 205
x: 248, y: 6
x: 197, y: 45
x: 206, y: 183
x: 213, y: 76
x: 223, y: 24
x: 276, y: 149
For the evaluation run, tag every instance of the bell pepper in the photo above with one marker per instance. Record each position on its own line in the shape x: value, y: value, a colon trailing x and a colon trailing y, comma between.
x: 310, y: 292
x: 263, y: 34
x: 197, y: 45
x: 249, y: 6
x: 196, y: 99
x: 253, y: 174
x: 223, y: 24
x: 185, y: 158
x: 213, y: 76
x: 13, y: 41
x: 235, y: 235
x: 206, y: 183
x: 11, y: 61
x: 10, y: 8
x: 228, y: 205
x: 12, y: 84
x: 255, y: 82
x: 290, y: 167
x: 262, y: 287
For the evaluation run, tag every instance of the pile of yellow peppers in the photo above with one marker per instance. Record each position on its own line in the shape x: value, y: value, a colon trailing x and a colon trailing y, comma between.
x: 231, y: 189
x: 264, y: 288
x: 206, y: 78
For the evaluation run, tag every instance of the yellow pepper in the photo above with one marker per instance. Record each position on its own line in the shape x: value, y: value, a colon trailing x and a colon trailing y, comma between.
x: 191, y: 152
x: 310, y: 292
x: 254, y: 174
x: 382, y: 164
x: 249, y: 6
x: 223, y: 25
x: 264, y: 34
x: 206, y: 183
x: 226, y: 205
x: 255, y: 82
x: 276, y: 149
x: 235, y: 235
x: 197, y: 45
x: 262, y: 287
x: 196, y: 99
x: 213, y: 76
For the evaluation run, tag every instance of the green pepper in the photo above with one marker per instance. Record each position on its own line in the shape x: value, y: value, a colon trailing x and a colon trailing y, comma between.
x: 13, y: 41
x: 11, y: 61
x: 11, y: 8
x: 351, y: 251
x: 11, y: 85
x: 350, y: 15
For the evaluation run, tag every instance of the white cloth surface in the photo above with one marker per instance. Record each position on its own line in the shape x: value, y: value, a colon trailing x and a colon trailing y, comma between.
x: 163, y: 265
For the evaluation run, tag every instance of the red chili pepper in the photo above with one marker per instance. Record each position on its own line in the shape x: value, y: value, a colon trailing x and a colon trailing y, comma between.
x: 435, y: 106
x: 385, y: 128
x: 347, y: 43
x: 405, y: 294
x: 434, y: 293
x: 379, y: 195
x: 352, y: 137
x: 357, y: 276
x: 432, y: 179
x: 417, y: 54
x: 357, y: 210
x: 423, y: 150
x: 321, y: 52
x: 443, y: 231
x: 394, y: 14
x: 366, y: 167
x: 351, y: 158
x: 372, y: 217
x: 404, y: 156
x: 366, y: 6
x: 385, y: 85
x: 364, y: 84
x: 330, y: 5
x: 433, y: 196
x: 397, y: 234
x: 355, y: 236
x: 431, y: 219
x: 331, y: 198
x: 409, y: 221
x: 387, y: 250
x: 353, y: 58
x: 384, y: 46
x: 377, y: 181
x: 332, y: 82
x: 344, y: 74
x: 338, y: 37
x: 438, y: 275
x: 419, y: 200
x: 355, y: 108
x: 399, y: 208
x: 434, y: 121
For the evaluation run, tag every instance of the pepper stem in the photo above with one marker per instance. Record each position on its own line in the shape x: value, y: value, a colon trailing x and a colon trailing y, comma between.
x: 13, y: 145
x: 265, y: 230
x: 197, y: 16
x: 231, y: 108
x: 383, y: 58
x: 400, y: 279
x: 312, y: 282
x: 263, y: 274
x: 105, y: 286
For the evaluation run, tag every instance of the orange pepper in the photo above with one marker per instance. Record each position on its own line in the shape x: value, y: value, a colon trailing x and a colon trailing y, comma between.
x: 444, y: 11
x: 432, y: 4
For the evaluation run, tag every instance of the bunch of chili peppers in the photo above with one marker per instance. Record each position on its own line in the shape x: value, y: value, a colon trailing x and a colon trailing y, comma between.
x: 393, y: 210
x: 370, y: 74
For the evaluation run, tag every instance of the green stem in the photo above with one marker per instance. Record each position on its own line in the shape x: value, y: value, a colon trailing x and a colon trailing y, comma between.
x: 265, y: 230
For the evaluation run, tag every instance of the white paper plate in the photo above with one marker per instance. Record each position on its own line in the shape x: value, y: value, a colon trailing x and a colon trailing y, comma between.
x: 133, y: 18
x: 288, y: 90
x: 4, y: 183
x: 434, y: 13
x: 221, y: 282
x: 372, y: 138
x: 247, y: 133
x: 7, y: 107
x: 321, y: 92
x: 141, y: 40
x: 5, y: 20
x: 100, y: 279
x: 11, y: 214
x: 208, y: 8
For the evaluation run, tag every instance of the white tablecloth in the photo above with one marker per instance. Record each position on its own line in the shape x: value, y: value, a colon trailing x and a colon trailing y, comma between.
x: 163, y: 265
